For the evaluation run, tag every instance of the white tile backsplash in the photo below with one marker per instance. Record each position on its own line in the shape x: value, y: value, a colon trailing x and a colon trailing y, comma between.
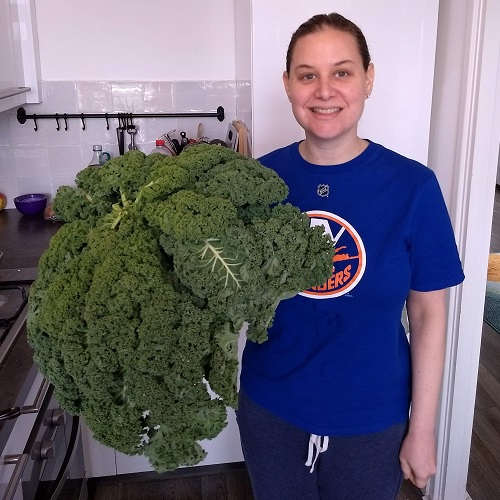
x: 31, y: 161
x: 7, y: 162
x: 63, y: 160
x: 35, y: 184
x: 5, y: 129
x: 58, y: 97
x: 159, y: 97
x: 94, y: 97
x: 128, y: 97
x: 43, y: 160
x: 61, y: 137
x: 25, y: 134
x: 190, y: 97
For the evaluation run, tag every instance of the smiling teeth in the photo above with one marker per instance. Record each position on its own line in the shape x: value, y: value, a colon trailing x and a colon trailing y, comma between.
x: 328, y: 111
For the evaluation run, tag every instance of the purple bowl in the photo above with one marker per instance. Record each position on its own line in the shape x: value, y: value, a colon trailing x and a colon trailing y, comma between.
x: 30, y: 204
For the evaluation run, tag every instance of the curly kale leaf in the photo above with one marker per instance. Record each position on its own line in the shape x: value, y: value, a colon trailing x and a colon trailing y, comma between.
x: 142, y: 295
x: 222, y: 261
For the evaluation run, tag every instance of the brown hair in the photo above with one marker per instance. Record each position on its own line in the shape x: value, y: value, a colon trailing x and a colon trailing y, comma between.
x: 334, y: 21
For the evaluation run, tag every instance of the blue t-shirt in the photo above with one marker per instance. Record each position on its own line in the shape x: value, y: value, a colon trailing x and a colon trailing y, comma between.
x: 337, y: 358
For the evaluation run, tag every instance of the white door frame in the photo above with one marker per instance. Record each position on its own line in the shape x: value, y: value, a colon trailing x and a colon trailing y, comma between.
x: 464, y: 146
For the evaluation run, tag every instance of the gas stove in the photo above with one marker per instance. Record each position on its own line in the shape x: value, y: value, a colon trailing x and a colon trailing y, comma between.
x: 15, y: 285
x: 13, y: 299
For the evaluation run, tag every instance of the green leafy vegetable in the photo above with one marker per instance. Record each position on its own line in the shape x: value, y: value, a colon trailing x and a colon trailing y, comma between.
x: 141, y: 296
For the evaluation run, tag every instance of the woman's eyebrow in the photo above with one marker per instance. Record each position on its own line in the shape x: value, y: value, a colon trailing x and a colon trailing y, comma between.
x: 338, y: 63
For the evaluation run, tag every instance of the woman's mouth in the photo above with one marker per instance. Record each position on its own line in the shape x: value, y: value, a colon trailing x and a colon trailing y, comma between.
x: 325, y: 111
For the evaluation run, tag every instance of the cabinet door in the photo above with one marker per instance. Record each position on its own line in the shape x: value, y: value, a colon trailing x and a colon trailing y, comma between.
x: 19, y: 64
x: 8, y: 71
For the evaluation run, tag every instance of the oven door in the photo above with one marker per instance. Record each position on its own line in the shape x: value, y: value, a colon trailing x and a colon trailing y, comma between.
x: 52, y: 464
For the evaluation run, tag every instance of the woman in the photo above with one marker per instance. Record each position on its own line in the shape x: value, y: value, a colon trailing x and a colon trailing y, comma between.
x: 324, y: 402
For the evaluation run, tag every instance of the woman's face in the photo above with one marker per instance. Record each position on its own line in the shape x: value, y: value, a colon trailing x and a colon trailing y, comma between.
x: 327, y: 85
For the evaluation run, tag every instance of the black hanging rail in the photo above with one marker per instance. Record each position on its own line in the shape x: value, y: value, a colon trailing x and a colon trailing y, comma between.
x: 22, y: 117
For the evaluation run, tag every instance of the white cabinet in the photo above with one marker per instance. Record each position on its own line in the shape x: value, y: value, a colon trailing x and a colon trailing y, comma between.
x: 101, y: 460
x: 19, y: 60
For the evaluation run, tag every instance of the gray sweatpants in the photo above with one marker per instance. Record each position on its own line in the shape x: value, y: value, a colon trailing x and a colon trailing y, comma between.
x: 364, y: 467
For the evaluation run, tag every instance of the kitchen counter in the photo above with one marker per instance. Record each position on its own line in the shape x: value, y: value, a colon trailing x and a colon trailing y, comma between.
x: 23, y: 238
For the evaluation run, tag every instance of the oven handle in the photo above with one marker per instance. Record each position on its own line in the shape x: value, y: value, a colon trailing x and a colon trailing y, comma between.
x: 15, y: 411
x: 20, y: 461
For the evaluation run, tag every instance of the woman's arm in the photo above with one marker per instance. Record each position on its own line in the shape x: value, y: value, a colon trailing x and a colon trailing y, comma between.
x: 427, y: 320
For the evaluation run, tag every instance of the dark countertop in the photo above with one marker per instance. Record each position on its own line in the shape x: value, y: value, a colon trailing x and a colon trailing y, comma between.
x: 23, y: 238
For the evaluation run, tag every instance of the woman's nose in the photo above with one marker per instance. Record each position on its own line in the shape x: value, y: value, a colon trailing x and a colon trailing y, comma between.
x: 325, y: 88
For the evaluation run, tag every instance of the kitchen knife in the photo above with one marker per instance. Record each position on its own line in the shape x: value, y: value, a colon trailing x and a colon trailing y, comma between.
x: 120, y: 134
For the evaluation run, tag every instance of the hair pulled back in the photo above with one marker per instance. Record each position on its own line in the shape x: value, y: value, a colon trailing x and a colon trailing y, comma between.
x: 334, y: 21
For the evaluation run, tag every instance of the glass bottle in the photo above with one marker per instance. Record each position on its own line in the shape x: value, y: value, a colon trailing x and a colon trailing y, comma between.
x: 96, y: 157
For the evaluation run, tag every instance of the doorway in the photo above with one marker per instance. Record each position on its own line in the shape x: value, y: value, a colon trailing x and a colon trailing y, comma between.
x: 483, y: 480
x: 465, y: 133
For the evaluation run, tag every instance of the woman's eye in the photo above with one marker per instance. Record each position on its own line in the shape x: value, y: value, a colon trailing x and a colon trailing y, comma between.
x: 342, y: 74
x: 307, y: 76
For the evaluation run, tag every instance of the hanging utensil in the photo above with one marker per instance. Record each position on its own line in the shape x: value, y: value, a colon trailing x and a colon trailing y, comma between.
x: 184, y: 140
x: 132, y: 130
x: 120, y: 134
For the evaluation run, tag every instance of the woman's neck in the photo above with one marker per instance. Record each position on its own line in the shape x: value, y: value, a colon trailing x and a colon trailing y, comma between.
x: 327, y: 153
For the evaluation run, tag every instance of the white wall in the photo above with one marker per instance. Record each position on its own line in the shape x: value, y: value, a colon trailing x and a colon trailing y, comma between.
x: 130, y: 40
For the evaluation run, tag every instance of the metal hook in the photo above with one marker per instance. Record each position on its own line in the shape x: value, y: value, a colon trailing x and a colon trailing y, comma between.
x: 107, y: 120
x: 220, y: 113
x: 83, y: 121
x: 56, y: 116
x: 34, y: 121
x: 65, y: 121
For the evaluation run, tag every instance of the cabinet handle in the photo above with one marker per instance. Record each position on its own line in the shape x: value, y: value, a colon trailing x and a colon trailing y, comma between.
x: 13, y: 91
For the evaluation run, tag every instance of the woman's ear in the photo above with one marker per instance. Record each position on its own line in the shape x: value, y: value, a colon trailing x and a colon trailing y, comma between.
x: 370, y: 77
x: 286, y: 84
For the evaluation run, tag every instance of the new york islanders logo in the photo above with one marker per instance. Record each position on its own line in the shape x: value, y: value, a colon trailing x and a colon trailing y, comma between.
x: 349, y: 262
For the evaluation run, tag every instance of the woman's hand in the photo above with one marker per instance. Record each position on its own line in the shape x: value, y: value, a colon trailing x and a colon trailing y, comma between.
x: 427, y: 320
x: 418, y: 458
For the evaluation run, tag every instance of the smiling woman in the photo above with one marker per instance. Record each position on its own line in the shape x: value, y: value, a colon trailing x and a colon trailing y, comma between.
x: 337, y: 371
x: 327, y: 85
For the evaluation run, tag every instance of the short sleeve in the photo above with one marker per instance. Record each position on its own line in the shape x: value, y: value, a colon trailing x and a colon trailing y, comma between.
x: 435, y: 262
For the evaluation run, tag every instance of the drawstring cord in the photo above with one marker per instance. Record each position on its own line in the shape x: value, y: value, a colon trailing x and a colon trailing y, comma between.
x: 313, y: 454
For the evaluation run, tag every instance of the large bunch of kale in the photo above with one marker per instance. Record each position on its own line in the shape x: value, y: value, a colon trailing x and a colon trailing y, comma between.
x: 142, y: 293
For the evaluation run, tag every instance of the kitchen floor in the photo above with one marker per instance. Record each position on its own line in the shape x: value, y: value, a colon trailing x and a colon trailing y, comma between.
x: 213, y: 482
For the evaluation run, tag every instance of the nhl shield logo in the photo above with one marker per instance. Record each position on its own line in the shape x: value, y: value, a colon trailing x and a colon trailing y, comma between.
x: 323, y: 190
